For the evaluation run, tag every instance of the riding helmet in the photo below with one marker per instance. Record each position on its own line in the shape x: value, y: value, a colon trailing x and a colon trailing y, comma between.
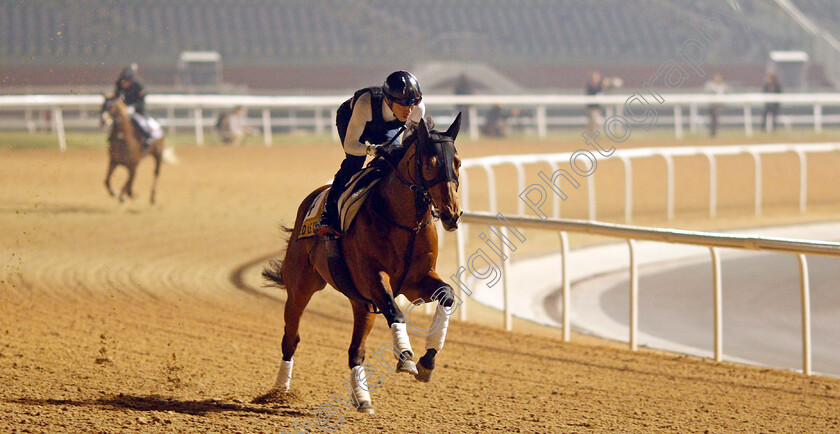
x: 128, y: 74
x: 402, y: 88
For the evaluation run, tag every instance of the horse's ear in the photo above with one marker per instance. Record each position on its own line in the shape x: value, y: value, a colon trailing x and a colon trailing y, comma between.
x: 423, y: 131
x: 452, y: 132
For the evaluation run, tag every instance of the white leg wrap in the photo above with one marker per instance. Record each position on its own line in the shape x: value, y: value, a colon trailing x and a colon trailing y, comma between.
x: 358, y: 379
x: 284, y: 377
x: 434, y: 341
x: 400, y: 337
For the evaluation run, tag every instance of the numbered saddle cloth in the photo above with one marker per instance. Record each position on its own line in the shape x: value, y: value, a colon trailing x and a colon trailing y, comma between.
x: 358, y: 188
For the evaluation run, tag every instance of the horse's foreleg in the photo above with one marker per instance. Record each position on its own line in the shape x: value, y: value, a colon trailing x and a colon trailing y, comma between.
x: 362, y: 323
x: 111, y: 166
x: 384, y: 300
x: 436, y: 334
x: 158, y: 159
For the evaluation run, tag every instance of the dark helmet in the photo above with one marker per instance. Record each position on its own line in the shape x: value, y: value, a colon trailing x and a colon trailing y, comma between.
x: 128, y: 74
x: 402, y: 88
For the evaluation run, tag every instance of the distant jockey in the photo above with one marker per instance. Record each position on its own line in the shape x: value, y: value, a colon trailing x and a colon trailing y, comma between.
x: 131, y: 92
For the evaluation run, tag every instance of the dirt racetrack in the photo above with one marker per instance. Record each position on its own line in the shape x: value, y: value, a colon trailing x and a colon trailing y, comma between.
x: 130, y: 317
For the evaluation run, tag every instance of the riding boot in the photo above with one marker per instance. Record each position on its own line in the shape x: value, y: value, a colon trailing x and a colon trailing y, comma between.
x: 330, y: 219
x: 329, y: 222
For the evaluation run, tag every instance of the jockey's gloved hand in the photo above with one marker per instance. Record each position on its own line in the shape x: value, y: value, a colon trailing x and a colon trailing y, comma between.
x: 374, y: 150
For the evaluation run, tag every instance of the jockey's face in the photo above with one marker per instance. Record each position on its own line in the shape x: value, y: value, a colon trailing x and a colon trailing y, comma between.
x: 400, y: 111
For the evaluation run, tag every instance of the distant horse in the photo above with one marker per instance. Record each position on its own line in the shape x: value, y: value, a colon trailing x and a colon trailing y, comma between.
x: 390, y: 249
x: 125, y: 146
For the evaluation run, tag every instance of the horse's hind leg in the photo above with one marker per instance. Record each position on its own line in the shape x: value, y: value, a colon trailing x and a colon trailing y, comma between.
x: 158, y: 159
x: 126, y: 190
x: 301, y: 281
x: 362, y: 323
x: 111, y: 166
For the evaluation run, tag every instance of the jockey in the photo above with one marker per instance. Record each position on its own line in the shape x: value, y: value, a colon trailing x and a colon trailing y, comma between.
x: 132, y: 93
x: 373, y: 117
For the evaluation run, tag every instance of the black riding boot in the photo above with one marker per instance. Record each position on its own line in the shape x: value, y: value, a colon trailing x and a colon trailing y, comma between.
x: 330, y: 222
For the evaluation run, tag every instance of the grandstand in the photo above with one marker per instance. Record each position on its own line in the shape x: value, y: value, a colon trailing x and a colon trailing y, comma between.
x: 320, y: 45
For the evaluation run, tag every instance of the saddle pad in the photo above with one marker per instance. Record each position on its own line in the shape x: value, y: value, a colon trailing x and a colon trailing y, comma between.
x: 349, y: 203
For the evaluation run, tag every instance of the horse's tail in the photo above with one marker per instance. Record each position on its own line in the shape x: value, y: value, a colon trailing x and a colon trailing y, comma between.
x: 274, y: 271
x: 169, y: 155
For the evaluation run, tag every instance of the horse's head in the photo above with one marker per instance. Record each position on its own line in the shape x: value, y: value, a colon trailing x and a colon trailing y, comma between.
x: 437, y: 162
x: 113, y: 109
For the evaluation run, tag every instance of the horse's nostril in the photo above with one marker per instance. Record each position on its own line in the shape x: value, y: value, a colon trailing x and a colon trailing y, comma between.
x: 460, y: 214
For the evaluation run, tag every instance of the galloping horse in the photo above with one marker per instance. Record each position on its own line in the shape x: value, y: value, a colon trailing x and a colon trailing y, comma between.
x: 389, y: 249
x: 125, y: 146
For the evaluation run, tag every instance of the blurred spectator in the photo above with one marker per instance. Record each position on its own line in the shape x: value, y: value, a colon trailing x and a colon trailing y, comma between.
x: 495, y: 124
x: 462, y: 87
x: 718, y: 87
x: 595, y: 86
x: 232, y: 126
x: 771, y: 85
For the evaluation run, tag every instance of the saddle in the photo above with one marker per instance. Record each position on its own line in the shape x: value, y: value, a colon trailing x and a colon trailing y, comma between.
x: 358, y: 188
x: 349, y: 203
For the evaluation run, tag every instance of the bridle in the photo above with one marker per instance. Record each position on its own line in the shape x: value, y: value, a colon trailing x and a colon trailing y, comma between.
x: 442, y: 147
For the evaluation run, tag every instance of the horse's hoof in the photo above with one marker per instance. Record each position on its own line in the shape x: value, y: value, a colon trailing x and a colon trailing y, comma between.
x: 365, y: 407
x: 407, y: 366
x: 423, y: 374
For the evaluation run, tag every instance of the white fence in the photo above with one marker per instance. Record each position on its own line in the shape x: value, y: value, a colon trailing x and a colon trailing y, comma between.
x: 631, y: 233
x: 626, y: 156
x: 322, y: 108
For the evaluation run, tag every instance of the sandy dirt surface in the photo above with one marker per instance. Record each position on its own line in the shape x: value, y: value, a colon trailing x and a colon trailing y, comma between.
x: 130, y: 317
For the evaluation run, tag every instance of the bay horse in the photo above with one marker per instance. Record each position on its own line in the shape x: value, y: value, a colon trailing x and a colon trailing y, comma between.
x: 125, y: 146
x: 389, y: 249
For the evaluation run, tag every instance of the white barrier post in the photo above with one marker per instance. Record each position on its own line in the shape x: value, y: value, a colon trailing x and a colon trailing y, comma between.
x: 266, y: 121
x: 712, y: 184
x: 58, y: 118
x: 718, y: 304
x: 564, y: 249
x: 170, y: 119
x: 803, y: 180
x: 199, y: 127
x: 590, y: 187
x: 692, y: 117
x: 634, y: 295
x: 460, y: 246
x: 542, y: 127
x: 806, y: 315
x: 473, y: 122
x: 628, y: 189
x: 818, y: 121
x: 748, y: 126
x: 757, y: 159
x: 678, y: 122
x: 669, y: 169
x: 506, y: 282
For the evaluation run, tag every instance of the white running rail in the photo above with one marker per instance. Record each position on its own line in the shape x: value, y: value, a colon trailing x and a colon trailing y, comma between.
x: 631, y: 233
x: 672, y: 107
x: 626, y: 156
